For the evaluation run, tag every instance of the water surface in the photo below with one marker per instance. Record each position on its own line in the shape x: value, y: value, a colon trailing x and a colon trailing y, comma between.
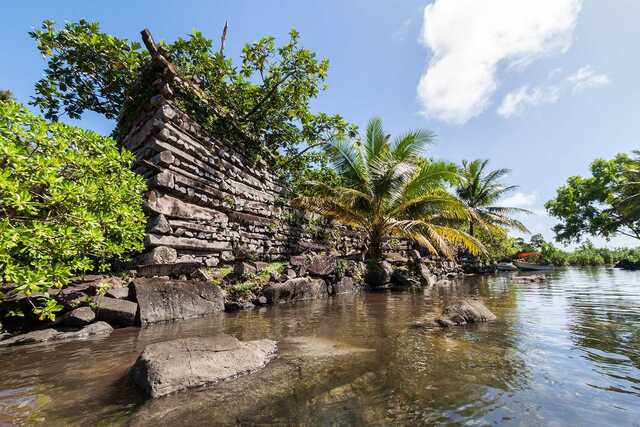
x: 565, y: 352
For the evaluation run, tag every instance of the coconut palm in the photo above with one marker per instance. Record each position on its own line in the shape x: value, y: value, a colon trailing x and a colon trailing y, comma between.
x: 389, y: 190
x: 479, y: 189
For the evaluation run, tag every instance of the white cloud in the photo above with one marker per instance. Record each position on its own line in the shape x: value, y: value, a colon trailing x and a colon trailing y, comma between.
x: 401, y: 33
x: 516, y: 101
x: 519, y: 200
x: 470, y: 38
x: 586, y: 77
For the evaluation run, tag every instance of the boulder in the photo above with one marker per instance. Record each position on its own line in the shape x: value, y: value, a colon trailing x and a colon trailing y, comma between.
x: 160, y: 225
x: 344, y: 286
x: 396, y: 258
x: 116, y: 311
x: 298, y: 260
x: 120, y: 292
x: 301, y: 288
x: 172, y: 366
x: 44, y: 335
x: 464, y: 312
x: 426, y: 277
x: 322, y: 265
x: 174, y: 270
x: 378, y: 273
x: 159, y: 255
x: 243, y: 268
x: 163, y: 300
x: 81, y: 316
x: 401, y: 278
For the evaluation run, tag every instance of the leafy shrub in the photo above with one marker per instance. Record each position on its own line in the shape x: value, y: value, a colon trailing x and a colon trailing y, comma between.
x: 69, y: 203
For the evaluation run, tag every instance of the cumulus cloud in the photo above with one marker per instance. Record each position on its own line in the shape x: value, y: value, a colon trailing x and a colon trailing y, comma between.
x: 519, y: 200
x: 515, y: 102
x: 586, y: 77
x: 469, y: 39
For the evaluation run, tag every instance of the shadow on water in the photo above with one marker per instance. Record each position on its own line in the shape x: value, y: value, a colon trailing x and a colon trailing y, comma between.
x: 564, y: 352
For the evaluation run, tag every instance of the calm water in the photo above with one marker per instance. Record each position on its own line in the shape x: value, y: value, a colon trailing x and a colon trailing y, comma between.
x: 566, y: 352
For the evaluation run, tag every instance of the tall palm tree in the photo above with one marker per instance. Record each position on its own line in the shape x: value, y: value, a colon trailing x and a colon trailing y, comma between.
x: 479, y: 189
x: 389, y: 190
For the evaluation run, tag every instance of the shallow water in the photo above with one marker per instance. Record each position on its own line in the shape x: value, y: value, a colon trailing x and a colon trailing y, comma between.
x: 565, y: 352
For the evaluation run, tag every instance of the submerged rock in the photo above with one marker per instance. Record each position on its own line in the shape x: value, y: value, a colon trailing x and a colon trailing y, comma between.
x: 44, y: 335
x: 301, y: 288
x: 171, y: 366
x: 536, y: 278
x: 163, y: 300
x: 464, y: 312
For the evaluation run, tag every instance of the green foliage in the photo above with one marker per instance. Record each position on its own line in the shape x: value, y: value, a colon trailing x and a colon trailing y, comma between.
x: 603, y: 204
x: 5, y: 95
x: 262, y: 103
x: 480, y: 189
x: 389, y: 191
x: 69, y: 203
x: 253, y: 283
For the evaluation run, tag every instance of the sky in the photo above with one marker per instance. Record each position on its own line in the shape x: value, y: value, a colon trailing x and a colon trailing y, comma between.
x: 542, y: 87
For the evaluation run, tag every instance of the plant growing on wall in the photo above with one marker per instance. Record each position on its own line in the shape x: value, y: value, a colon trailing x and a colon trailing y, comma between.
x: 69, y: 203
x: 261, y: 102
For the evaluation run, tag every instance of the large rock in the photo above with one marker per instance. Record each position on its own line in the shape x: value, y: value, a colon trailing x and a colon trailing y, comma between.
x: 426, y: 277
x: 159, y: 255
x: 116, y: 311
x: 171, y: 366
x: 344, y: 286
x: 401, y: 278
x: 163, y: 300
x: 464, y: 312
x: 378, y: 273
x: 44, y: 335
x: 81, y: 316
x: 322, y: 265
x: 301, y: 288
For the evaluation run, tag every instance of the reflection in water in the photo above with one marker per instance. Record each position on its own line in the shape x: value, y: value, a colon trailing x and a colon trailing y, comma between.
x: 566, y: 352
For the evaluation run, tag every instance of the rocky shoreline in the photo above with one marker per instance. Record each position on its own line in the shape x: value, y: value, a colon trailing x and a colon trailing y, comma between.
x: 138, y: 300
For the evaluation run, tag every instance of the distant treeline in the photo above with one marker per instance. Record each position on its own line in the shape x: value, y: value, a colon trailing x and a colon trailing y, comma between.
x: 584, y: 255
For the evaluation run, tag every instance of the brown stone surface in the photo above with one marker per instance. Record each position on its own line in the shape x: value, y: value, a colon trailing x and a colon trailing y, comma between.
x: 163, y: 300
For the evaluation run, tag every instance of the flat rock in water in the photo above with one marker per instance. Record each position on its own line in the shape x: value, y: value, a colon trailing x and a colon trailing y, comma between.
x: 172, y: 366
x: 536, y: 278
x: 44, y: 335
x: 116, y: 311
x: 464, y: 312
x: 162, y: 300
x: 301, y: 288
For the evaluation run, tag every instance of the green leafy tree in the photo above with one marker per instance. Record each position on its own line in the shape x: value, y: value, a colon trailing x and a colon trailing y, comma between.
x: 5, y: 95
x: 603, y: 204
x: 69, y: 203
x: 388, y: 190
x: 261, y: 102
x: 480, y: 189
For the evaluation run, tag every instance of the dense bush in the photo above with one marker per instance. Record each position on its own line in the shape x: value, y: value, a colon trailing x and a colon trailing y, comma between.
x: 69, y: 203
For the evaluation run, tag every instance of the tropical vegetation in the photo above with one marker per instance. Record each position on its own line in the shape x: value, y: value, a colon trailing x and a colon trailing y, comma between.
x: 262, y: 102
x: 603, y: 204
x: 69, y: 203
x: 388, y: 190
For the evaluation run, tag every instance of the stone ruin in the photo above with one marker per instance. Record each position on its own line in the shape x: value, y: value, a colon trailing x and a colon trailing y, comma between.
x: 206, y: 202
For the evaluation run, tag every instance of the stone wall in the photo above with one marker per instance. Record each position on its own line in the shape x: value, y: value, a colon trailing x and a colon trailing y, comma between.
x: 208, y: 204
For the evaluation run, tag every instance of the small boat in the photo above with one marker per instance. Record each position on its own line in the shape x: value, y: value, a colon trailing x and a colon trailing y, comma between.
x: 528, y: 266
x: 506, y: 266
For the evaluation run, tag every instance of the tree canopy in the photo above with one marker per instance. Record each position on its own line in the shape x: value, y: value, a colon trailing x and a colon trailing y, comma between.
x: 69, y: 203
x: 263, y: 101
x: 603, y: 204
x: 389, y: 190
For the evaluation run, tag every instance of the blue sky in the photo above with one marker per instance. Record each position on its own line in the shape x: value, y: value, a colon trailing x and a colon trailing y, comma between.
x: 538, y: 86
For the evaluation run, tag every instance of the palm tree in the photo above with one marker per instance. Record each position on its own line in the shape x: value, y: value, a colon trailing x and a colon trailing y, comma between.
x: 389, y: 190
x: 480, y: 189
